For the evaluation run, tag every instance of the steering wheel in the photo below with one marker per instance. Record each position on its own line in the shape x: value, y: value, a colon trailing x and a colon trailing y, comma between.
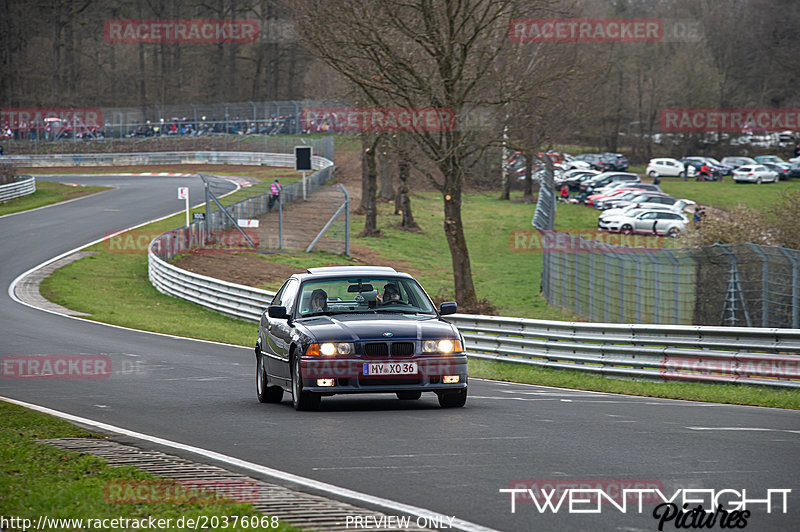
x: 393, y: 302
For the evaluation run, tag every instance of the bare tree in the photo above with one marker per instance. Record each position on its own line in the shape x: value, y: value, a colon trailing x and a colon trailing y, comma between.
x: 420, y: 54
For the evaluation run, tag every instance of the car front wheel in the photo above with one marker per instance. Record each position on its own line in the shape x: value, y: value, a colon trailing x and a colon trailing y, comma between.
x: 652, y: 173
x: 626, y: 229
x: 266, y: 393
x: 301, y: 399
x: 453, y: 399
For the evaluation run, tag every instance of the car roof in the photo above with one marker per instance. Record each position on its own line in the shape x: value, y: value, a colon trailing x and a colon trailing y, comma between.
x: 350, y: 271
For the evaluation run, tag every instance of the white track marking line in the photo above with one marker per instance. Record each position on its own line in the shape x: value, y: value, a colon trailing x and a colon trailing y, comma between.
x: 346, y: 493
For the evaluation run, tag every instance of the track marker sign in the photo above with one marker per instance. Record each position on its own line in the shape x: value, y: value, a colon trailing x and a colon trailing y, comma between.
x: 183, y: 193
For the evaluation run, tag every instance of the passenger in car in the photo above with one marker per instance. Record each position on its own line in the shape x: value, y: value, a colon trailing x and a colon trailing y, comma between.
x: 319, y: 300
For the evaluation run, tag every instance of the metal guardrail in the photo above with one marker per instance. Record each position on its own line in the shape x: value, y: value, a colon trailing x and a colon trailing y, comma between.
x: 769, y: 357
x: 18, y: 189
x: 168, y: 157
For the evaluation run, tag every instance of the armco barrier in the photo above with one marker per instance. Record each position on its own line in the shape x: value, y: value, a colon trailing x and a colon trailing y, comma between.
x: 167, y: 157
x: 18, y: 189
x: 769, y: 357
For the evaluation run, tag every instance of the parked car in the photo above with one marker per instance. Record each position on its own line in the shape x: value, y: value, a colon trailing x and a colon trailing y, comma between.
x: 596, y: 161
x: 645, y: 221
x: 761, y: 159
x: 606, y: 194
x: 574, y: 178
x: 617, y: 161
x: 607, y: 214
x: 794, y: 170
x: 781, y: 169
x: 667, y: 167
x: 754, y: 173
x: 605, y: 178
x: 571, y: 163
x: 328, y: 331
x: 612, y: 202
x: 648, y: 198
x: 736, y: 162
x: 715, y: 164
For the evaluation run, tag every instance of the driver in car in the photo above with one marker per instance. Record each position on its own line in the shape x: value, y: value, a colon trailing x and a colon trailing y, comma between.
x: 390, y: 293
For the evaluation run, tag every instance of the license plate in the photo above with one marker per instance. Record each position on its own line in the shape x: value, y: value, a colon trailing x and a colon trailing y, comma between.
x: 390, y: 368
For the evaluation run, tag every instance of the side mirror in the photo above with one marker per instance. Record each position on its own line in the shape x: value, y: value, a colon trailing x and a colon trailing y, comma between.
x: 450, y: 307
x: 275, y: 311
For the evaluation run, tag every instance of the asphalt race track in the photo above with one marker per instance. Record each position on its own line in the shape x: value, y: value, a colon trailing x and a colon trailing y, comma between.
x: 451, y: 461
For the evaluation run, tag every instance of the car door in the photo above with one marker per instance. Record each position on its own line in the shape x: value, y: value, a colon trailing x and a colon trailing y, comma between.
x: 279, y: 332
x: 644, y: 223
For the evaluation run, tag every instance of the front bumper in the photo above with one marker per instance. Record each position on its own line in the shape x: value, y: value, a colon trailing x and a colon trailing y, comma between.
x: 348, y: 375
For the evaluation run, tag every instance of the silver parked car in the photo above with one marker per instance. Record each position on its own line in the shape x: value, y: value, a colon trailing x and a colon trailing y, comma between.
x: 755, y: 173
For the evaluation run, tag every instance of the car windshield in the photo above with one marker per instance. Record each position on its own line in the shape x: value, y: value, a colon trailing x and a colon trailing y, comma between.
x: 363, y: 294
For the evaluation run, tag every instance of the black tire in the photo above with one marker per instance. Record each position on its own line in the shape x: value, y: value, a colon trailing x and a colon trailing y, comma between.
x: 758, y: 181
x: 684, y: 175
x: 626, y: 230
x: 302, y: 400
x: 653, y: 173
x: 453, y: 399
x: 674, y: 232
x: 409, y: 396
x: 266, y: 393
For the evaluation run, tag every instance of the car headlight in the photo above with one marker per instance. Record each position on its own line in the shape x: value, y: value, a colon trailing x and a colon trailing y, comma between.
x: 330, y: 349
x: 444, y: 346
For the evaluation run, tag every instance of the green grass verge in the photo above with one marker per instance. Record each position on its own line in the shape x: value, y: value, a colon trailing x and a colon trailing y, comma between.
x: 37, y: 479
x: 46, y: 193
x: 737, y: 394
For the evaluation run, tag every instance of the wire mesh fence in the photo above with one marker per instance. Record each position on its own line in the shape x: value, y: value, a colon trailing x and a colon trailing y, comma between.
x: 734, y: 285
x: 247, y: 126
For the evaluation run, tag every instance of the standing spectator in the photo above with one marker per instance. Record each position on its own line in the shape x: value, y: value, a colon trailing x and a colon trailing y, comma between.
x: 797, y: 151
x: 274, y: 193
x: 565, y: 193
x: 2, y: 152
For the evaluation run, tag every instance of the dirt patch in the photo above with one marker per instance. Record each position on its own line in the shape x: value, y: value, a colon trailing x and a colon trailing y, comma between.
x: 249, y: 269
x: 255, y: 269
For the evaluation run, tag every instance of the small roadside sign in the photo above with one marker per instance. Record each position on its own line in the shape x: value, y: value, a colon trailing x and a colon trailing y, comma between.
x: 247, y: 222
x: 198, y: 216
x: 183, y: 193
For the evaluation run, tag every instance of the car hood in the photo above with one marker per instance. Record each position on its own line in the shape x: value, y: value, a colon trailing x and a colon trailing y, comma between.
x: 369, y: 327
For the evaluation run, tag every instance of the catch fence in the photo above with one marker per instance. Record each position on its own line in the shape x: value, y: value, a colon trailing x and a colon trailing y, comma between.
x: 735, y: 285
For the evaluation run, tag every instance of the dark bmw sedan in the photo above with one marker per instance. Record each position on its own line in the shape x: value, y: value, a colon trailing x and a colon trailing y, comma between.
x: 355, y: 329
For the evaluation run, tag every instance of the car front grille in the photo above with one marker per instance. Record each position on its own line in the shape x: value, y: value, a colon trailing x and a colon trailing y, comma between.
x: 376, y: 349
x: 382, y: 349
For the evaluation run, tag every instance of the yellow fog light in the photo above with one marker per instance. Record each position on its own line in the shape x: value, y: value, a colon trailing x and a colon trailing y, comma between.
x: 450, y: 379
x: 327, y: 382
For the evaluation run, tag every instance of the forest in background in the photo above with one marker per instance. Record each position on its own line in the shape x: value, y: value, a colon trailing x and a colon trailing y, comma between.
x: 54, y: 54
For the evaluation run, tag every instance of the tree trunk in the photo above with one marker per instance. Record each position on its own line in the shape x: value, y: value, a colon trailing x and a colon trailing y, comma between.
x: 403, y: 201
x: 369, y: 177
x: 505, y: 191
x: 527, y: 191
x: 454, y: 231
x: 385, y: 167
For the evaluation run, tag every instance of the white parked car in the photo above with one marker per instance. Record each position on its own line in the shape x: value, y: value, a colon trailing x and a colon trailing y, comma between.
x: 645, y: 221
x: 680, y: 207
x: 668, y: 167
x: 754, y: 173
